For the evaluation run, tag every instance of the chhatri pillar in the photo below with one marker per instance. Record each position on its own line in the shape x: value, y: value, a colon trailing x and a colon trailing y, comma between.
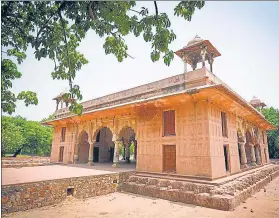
x: 59, y: 100
x: 257, y: 103
x: 198, y: 51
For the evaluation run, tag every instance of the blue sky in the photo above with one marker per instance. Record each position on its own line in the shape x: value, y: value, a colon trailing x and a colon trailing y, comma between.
x: 245, y: 33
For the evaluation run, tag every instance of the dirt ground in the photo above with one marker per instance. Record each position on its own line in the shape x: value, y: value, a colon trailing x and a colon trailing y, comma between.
x: 263, y: 204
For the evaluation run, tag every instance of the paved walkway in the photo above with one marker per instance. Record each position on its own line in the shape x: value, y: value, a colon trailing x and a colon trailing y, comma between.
x: 263, y: 204
x: 51, y: 172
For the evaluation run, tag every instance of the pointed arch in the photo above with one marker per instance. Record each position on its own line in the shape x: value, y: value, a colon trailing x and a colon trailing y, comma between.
x: 83, y: 147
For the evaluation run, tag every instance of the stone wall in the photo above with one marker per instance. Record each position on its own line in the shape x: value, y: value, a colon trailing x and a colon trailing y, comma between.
x: 222, y: 196
x: 13, y: 162
x: 217, y: 142
x: 20, y: 197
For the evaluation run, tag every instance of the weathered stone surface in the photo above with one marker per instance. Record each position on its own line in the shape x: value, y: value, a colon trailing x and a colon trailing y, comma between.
x: 9, y: 162
x: 224, y: 196
x: 26, y: 196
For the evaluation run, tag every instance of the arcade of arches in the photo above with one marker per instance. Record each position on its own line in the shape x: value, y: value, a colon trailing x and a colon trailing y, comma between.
x: 102, y: 147
x: 251, y: 146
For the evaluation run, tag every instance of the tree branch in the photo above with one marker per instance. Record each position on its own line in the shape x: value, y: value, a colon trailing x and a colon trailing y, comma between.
x: 134, y: 11
x: 91, y: 14
x: 119, y: 36
x: 18, y: 27
x: 5, y: 9
x: 156, y: 9
x: 66, y: 43
x: 40, y: 31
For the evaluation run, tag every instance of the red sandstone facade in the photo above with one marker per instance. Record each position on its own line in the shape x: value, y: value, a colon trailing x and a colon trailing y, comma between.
x: 190, y: 124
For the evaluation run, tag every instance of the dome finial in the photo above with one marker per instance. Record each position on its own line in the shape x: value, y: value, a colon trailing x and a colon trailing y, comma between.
x: 195, y: 40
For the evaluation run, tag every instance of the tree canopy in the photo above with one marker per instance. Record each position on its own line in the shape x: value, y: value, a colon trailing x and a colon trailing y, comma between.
x: 54, y: 30
x: 272, y: 115
x: 19, y: 134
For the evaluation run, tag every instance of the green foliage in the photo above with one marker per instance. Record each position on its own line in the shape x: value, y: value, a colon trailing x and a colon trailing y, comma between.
x: 55, y: 29
x: 272, y: 115
x: 30, y: 136
x: 11, y: 136
x: 50, y: 117
x: 132, y: 148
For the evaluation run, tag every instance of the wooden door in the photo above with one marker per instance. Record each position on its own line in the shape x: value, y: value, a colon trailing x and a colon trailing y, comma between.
x: 169, y: 158
x: 61, y: 153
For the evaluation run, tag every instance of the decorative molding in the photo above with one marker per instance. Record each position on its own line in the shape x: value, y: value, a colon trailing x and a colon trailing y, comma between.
x: 161, y: 87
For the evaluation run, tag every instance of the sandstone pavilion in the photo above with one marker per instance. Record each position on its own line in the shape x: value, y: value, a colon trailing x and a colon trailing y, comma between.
x: 191, y: 130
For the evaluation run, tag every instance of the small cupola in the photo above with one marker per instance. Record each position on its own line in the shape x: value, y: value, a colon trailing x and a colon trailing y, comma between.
x: 60, y: 100
x: 257, y: 103
x: 198, y: 51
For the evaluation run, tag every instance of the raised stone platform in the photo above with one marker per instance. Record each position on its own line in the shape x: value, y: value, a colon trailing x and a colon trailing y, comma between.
x: 222, y: 194
x: 15, y: 162
x: 48, y: 185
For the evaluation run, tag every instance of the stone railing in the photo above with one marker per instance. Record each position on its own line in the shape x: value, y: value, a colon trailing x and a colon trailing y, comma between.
x: 14, y: 162
x: 164, y: 86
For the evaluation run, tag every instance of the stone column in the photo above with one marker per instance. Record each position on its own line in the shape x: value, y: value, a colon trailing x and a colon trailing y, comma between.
x: 116, y: 154
x: 127, y: 153
x: 258, y: 159
x: 253, y: 157
x: 135, y: 149
x: 243, y: 158
x: 266, y: 154
x: 90, y: 156
x: 76, y: 154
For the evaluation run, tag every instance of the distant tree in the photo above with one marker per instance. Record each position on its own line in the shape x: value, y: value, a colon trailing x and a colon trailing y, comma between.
x: 50, y: 117
x: 11, y: 136
x: 272, y: 115
x: 55, y: 29
x: 36, y: 138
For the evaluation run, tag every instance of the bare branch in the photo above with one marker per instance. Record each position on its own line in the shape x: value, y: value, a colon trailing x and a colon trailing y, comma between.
x: 134, y: 11
x: 66, y: 43
x: 130, y: 56
x: 156, y: 9
x: 91, y: 14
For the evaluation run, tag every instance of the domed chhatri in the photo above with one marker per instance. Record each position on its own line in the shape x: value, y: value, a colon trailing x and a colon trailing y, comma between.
x: 257, y: 103
x: 196, y: 51
x: 195, y: 40
x: 59, y: 100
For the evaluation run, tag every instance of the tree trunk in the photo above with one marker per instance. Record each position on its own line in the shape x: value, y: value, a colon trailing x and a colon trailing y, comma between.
x: 17, y: 152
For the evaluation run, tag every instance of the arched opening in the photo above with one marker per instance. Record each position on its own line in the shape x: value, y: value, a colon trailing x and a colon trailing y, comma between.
x: 83, y: 147
x: 128, y: 150
x: 239, y: 139
x: 104, y: 147
x: 248, y: 147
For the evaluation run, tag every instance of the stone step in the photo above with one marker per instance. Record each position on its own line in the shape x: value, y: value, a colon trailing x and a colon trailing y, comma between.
x: 170, y: 184
x: 224, y: 196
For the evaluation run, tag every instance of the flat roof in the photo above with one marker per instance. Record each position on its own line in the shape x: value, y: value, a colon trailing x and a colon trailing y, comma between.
x: 243, y: 108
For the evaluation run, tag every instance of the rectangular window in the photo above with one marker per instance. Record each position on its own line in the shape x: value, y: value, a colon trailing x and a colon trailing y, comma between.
x: 169, y: 123
x: 63, y: 134
x: 263, y: 136
x: 61, y: 154
x: 224, y: 124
